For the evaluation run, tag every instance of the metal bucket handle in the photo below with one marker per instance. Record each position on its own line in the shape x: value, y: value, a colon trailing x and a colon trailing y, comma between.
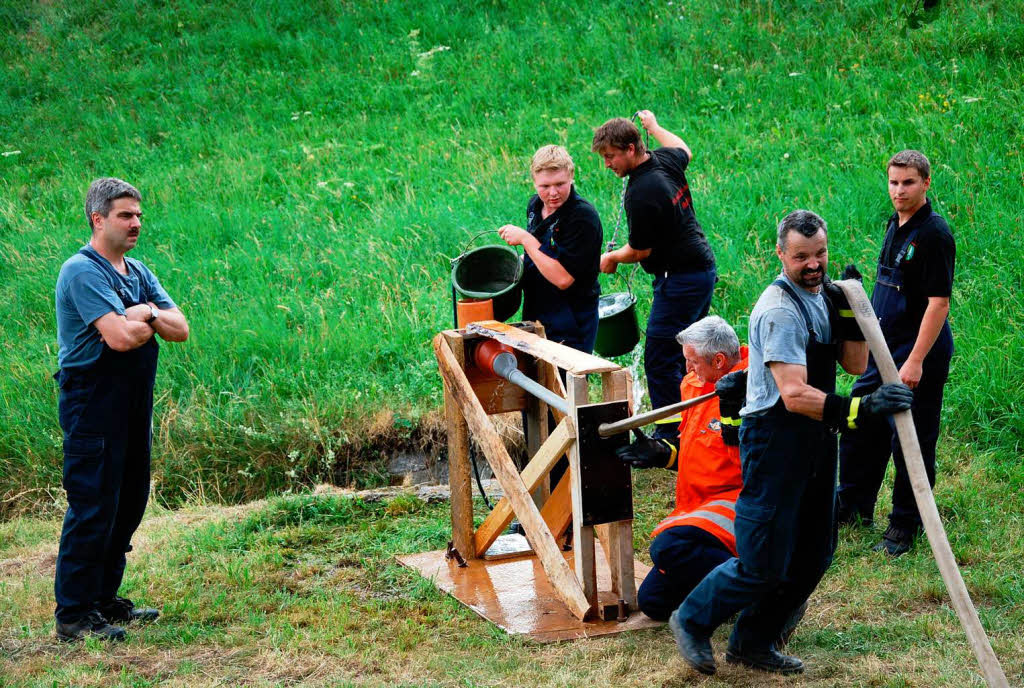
x: 465, y: 250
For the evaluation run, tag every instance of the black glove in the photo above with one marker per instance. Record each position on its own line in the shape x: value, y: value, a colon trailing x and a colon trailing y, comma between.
x: 848, y: 413
x: 844, y: 324
x: 647, y: 453
x: 732, y: 392
x: 887, y: 400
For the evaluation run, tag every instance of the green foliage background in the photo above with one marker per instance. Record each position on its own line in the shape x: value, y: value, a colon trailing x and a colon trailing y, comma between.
x: 308, y: 168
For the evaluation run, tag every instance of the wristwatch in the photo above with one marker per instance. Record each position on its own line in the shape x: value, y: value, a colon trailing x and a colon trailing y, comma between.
x: 153, y: 315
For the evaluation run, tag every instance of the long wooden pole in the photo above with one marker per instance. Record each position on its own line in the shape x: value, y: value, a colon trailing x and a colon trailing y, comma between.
x: 642, y: 419
x: 961, y: 599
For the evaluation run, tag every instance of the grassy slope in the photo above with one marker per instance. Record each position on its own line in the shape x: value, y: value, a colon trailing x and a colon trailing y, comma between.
x: 308, y: 168
x: 304, y: 590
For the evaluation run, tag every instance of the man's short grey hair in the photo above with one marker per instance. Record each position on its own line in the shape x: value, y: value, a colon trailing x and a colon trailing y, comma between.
x: 803, y: 221
x: 709, y: 336
x: 102, y: 194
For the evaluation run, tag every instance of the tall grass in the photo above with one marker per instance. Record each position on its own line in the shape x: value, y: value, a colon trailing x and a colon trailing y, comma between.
x: 309, y: 168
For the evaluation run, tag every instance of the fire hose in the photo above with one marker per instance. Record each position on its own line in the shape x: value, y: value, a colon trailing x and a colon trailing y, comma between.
x: 904, y: 421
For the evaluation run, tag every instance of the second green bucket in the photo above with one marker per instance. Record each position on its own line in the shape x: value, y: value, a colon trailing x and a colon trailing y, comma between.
x: 617, y: 328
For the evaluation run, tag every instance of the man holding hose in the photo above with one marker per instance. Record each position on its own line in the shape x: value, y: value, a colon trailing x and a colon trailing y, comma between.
x: 800, y: 328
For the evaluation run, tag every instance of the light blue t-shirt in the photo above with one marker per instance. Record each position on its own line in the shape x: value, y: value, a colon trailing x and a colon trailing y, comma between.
x: 778, y: 334
x: 86, y: 291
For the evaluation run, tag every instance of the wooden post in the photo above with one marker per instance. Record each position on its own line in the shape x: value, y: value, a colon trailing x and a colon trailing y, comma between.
x: 459, y: 477
x: 582, y: 536
x: 617, y: 538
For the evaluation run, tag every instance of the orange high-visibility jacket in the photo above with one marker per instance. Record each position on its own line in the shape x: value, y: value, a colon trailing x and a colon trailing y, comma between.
x: 709, y: 479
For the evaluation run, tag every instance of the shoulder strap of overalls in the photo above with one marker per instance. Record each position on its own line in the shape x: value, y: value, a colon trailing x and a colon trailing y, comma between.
x: 109, y: 269
x: 781, y: 284
x: 906, y: 247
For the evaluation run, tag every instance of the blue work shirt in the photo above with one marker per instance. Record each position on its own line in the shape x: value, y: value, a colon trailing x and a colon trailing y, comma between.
x: 87, y: 291
x: 778, y: 334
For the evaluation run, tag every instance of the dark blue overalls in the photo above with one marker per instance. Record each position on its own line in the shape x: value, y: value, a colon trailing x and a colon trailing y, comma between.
x: 785, y: 518
x: 680, y: 299
x: 106, y: 414
x: 570, y: 321
x: 864, y: 453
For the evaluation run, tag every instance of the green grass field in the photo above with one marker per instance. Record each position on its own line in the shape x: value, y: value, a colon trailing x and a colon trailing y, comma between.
x: 308, y: 170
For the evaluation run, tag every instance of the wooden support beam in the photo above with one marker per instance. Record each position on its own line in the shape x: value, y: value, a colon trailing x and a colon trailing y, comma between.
x: 501, y: 515
x: 557, y: 511
x: 557, y: 569
x: 582, y: 536
x: 617, y: 538
x: 563, y: 356
x: 459, y: 478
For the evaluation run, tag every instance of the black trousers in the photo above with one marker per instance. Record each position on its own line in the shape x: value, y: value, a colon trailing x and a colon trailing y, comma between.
x: 864, y: 453
x: 682, y: 556
x: 106, y: 415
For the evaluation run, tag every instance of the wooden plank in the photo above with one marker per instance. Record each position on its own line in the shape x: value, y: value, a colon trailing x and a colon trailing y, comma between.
x: 563, y: 356
x: 620, y: 545
x: 537, y: 432
x: 553, y: 381
x: 582, y: 536
x: 537, y: 425
x: 515, y: 595
x: 557, y: 511
x: 502, y: 513
x: 559, y: 573
x: 459, y: 476
x: 617, y: 538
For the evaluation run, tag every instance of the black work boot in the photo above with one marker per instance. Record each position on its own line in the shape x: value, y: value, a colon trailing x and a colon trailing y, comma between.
x: 123, y: 610
x: 896, y: 541
x: 694, y: 650
x: 853, y: 515
x: 769, y: 659
x: 92, y: 625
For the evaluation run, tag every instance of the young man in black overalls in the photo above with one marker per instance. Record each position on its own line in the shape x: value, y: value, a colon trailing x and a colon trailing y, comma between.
x: 911, y: 299
x: 108, y: 309
x: 785, y: 530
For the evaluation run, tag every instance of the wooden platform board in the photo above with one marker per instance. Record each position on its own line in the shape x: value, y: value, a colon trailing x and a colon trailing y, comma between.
x: 514, y: 594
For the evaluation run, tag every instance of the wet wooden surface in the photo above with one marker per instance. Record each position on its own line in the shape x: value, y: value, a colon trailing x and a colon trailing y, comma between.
x: 514, y: 594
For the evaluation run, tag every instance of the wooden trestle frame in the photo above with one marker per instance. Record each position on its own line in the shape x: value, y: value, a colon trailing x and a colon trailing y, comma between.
x: 471, y: 396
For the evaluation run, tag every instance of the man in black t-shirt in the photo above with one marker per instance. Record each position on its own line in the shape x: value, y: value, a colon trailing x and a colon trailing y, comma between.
x: 911, y: 299
x: 667, y: 241
x: 562, y: 243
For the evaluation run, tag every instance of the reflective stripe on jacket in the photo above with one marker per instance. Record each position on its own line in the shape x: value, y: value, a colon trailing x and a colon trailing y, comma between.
x: 709, y: 479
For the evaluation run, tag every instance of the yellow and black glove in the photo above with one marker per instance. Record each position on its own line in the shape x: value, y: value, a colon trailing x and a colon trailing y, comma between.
x: 648, y: 453
x: 844, y: 324
x: 848, y: 413
x: 732, y: 392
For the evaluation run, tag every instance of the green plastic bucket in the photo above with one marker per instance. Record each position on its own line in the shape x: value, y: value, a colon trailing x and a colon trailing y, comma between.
x: 617, y: 328
x: 490, y: 272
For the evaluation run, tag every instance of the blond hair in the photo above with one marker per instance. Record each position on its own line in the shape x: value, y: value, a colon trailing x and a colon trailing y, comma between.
x: 551, y: 158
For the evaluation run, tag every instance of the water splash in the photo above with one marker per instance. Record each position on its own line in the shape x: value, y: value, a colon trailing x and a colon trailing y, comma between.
x: 634, y: 371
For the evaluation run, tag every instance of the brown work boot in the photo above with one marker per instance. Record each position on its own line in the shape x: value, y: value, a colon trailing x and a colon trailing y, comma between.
x: 92, y: 625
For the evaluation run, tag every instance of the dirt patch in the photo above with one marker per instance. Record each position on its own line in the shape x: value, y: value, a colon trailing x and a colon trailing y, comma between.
x: 42, y: 563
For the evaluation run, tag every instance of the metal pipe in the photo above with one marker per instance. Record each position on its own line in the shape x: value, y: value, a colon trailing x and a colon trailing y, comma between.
x: 642, y: 419
x: 505, y: 366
